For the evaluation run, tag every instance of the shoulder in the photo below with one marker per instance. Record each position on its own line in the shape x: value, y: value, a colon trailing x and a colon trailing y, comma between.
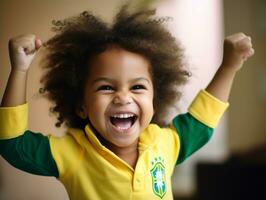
x: 165, y: 138
x: 67, y: 149
x: 162, y: 133
x: 71, y: 139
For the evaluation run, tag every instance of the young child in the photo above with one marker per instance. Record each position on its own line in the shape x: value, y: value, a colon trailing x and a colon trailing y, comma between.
x: 111, y: 85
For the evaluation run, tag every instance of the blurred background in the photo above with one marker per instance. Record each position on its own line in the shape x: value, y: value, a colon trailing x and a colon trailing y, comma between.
x: 233, y: 164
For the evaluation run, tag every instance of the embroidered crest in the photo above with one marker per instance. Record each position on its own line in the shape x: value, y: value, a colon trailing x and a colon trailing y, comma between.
x: 158, y: 177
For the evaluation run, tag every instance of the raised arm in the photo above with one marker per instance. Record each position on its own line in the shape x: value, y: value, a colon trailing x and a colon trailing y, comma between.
x: 22, y: 50
x: 22, y: 148
x: 196, y: 127
x: 237, y: 49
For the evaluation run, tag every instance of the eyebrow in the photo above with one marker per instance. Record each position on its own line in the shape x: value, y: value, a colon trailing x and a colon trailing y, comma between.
x: 110, y: 80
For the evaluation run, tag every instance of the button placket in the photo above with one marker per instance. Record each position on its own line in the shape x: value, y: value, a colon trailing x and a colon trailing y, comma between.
x: 138, y: 180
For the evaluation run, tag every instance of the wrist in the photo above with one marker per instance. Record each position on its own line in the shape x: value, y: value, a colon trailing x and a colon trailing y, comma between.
x: 234, y: 66
x: 19, y: 71
x: 227, y: 69
x: 19, y: 75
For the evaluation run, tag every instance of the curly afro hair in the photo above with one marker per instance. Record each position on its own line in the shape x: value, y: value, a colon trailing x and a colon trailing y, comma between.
x: 79, y: 38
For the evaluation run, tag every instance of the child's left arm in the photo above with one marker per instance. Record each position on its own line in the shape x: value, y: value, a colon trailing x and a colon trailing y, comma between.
x: 195, y: 128
x: 237, y: 49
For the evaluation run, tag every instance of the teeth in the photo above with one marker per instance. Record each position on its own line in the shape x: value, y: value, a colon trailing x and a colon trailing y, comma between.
x: 123, y: 115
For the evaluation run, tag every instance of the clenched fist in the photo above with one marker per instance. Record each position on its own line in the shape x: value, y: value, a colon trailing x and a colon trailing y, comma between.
x: 22, y: 50
x: 237, y: 49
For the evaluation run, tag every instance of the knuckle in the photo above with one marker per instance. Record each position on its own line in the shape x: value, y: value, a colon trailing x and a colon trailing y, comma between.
x: 241, y: 46
x: 241, y: 34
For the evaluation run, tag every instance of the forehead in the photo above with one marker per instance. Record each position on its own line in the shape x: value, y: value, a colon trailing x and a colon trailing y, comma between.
x: 118, y: 62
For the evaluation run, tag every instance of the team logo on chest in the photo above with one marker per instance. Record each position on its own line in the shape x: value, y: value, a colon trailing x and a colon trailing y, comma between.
x: 158, y: 177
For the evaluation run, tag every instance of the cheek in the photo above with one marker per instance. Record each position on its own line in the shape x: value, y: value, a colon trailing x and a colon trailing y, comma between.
x: 147, y: 105
x: 97, y: 106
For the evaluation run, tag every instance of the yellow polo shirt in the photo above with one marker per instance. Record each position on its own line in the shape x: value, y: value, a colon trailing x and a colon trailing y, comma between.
x: 89, y: 170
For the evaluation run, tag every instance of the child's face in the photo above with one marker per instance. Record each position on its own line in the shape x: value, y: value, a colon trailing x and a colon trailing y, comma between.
x: 119, y: 96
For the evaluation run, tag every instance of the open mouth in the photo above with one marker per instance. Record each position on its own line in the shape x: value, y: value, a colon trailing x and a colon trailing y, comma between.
x: 123, y: 121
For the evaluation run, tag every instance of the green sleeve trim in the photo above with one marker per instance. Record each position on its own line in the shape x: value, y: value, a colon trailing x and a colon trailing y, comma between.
x: 192, y: 133
x: 30, y: 152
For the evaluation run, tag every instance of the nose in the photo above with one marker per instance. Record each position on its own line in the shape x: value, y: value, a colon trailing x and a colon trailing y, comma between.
x: 122, y: 98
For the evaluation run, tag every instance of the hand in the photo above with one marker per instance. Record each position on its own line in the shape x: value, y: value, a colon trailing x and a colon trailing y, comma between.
x: 237, y: 49
x: 22, y: 50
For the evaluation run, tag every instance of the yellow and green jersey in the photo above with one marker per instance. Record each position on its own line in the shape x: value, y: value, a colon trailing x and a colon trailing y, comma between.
x: 89, y: 170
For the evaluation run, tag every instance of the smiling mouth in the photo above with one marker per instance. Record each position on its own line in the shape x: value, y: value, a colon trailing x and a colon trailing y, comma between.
x: 123, y: 121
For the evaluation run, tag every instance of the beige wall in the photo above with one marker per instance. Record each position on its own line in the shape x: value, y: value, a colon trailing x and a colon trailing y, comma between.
x: 247, y: 115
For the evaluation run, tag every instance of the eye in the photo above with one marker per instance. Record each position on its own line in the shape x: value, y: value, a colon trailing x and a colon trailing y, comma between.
x: 138, y: 87
x: 105, y: 87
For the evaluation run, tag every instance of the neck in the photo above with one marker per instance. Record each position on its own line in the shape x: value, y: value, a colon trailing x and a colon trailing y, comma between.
x: 129, y: 154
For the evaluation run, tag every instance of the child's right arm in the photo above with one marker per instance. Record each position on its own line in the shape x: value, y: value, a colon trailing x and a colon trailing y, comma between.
x: 23, y: 149
x: 22, y: 50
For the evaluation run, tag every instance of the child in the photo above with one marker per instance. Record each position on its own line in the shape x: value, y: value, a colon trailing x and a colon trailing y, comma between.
x: 111, y: 86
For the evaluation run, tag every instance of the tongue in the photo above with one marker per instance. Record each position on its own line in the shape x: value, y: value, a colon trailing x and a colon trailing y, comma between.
x: 122, y: 123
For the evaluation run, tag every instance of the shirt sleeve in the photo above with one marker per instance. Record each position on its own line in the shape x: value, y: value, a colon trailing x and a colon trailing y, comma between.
x: 195, y: 128
x: 22, y: 148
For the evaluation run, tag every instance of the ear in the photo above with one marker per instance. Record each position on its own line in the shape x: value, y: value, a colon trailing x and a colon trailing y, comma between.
x: 81, y: 112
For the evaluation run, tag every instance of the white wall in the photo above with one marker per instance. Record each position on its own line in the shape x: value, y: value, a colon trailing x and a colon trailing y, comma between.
x: 199, y: 26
